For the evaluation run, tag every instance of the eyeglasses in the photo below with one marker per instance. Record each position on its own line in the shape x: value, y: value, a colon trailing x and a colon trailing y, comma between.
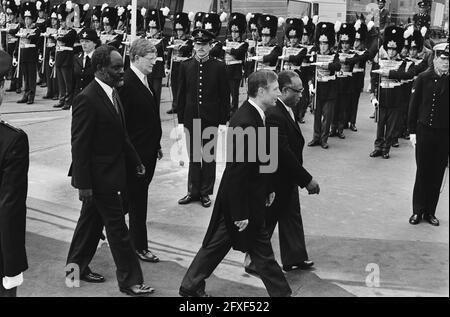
x: 299, y: 91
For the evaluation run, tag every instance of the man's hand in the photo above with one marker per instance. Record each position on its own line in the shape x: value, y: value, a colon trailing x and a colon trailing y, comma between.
x: 270, y: 199
x: 241, y: 224
x: 160, y: 154
x: 413, y: 139
x: 85, y: 195
x: 140, y: 171
x: 313, y: 187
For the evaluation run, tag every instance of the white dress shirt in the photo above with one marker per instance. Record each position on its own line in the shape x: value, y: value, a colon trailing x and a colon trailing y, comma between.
x: 288, y: 109
x: 108, y: 90
x: 260, y: 111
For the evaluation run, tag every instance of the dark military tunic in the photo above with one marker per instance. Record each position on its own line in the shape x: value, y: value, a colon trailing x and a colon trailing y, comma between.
x: 83, y: 72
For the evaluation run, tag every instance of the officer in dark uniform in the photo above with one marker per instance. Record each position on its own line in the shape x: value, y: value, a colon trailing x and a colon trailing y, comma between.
x: 325, y: 90
x: 422, y: 18
x: 155, y: 20
x: 203, y: 94
x: 392, y: 69
x: 109, y: 21
x: 12, y: 11
x: 29, y: 40
x: 82, y: 69
x: 428, y: 125
x: 42, y: 23
x: 235, y: 52
x: 66, y: 38
x: 384, y: 16
x: 346, y: 37
x: 14, y: 162
x: 268, y: 27
x: 181, y: 49
x: 49, y: 56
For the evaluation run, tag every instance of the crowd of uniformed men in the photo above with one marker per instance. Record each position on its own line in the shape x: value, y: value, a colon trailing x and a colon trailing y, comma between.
x: 53, y: 46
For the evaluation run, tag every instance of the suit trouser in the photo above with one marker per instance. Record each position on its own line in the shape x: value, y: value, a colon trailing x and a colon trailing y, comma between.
x: 323, y: 115
x: 290, y: 227
x: 138, y: 202
x: 29, y: 78
x: 157, y: 87
x: 210, y: 256
x: 7, y: 292
x: 431, y: 159
x: 234, y: 91
x: 387, y: 127
x: 64, y: 75
x: 105, y: 210
x: 202, y: 174
x: 340, y: 111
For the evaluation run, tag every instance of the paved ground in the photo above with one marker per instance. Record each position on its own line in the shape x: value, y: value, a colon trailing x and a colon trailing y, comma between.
x: 357, y: 223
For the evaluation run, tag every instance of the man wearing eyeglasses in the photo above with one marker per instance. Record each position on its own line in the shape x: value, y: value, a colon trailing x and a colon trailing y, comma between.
x: 290, y: 174
x: 144, y: 128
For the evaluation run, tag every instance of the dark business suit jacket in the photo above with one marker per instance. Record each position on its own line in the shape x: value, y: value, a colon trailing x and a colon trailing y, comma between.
x: 141, y: 116
x: 243, y: 190
x: 14, y: 162
x: 101, y: 148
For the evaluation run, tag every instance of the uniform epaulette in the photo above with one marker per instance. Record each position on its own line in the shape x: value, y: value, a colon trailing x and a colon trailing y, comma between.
x: 6, y: 124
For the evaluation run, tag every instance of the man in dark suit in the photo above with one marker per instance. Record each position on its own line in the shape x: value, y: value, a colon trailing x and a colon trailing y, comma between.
x: 82, y: 67
x: 203, y: 99
x: 14, y: 162
x: 290, y: 174
x: 238, y: 217
x: 144, y: 128
x: 101, y: 151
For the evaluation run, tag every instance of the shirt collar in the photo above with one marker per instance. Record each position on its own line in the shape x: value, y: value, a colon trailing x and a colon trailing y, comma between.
x: 138, y: 73
x: 201, y: 60
x: 108, y: 89
x: 260, y: 111
x: 289, y: 110
x: 89, y: 55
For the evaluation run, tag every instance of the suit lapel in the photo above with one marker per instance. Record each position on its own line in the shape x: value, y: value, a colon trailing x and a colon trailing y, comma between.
x: 289, y: 118
x: 256, y: 115
x: 108, y: 104
x: 138, y: 82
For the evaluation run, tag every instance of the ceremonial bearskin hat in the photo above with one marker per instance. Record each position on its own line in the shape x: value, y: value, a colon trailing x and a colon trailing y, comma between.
x: 181, y: 22
x: 347, y: 33
x: 325, y: 33
x: 294, y: 28
x: 393, y: 38
x: 237, y: 22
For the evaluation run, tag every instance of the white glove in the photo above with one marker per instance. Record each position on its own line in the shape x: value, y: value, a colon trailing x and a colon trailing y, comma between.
x: 413, y: 139
x: 375, y: 102
x: 167, y: 71
x: 14, y: 62
x: 312, y: 91
x: 40, y: 57
x: 51, y: 62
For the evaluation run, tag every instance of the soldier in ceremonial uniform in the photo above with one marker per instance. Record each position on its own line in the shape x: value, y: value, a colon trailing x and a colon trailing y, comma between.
x: 325, y: 90
x: 82, y: 69
x: 181, y: 50
x: 268, y: 27
x: 85, y: 20
x: 212, y: 22
x: 387, y: 89
x: 198, y: 20
x: 203, y: 94
x: 28, y: 46
x: 12, y: 24
x: 14, y: 162
x: 96, y: 23
x: 235, y: 52
x: 253, y: 41
x: 155, y: 20
x: 49, y: 56
x: 109, y: 21
x: 42, y: 22
x: 346, y: 38
x: 65, y: 40
x: 428, y: 125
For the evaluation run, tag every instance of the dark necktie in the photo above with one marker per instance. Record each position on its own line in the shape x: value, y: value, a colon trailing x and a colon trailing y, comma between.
x: 115, y: 98
x: 87, y: 63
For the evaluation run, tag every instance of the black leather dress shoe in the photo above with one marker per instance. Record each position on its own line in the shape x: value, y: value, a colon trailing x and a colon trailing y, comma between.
x: 251, y: 272
x: 138, y: 290
x: 341, y: 135
x: 333, y: 133
x: 92, y: 277
x: 372, y: 116
x: 395, y: 144
x: 188, y: 293
x: 415, y: 219
x: 314, y: 143
x: 432, y: 220
x: 18, y: 90
x: 206, y: 201
x: 23, y: 100
x: 353, y: 128
x: 305, y: 265
x: 55, y: 98
x: 147, y: 256
x: 324, y: 145
x: 58, y: 105
x: 47, y: 97
x: 66, y: 107
x: 187, y: 200
x: 386, y: 155
x: 376, y: 153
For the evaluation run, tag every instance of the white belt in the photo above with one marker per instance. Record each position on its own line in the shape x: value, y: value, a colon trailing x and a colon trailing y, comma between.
x: 266, y: 67
x: 233, y: 62
x: 358, y: 70
x: 179, y: 59
x: 306, y: 64
x: 28, y: 45
x: 291, y: 67
x: 344, y: 74
x: 404, y: 81
x: 389, y: 85
x: 324, y: 79
x: 51, y: 45
x: 64, y: 48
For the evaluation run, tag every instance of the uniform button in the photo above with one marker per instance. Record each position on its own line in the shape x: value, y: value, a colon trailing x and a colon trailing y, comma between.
x: 201, y: 77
